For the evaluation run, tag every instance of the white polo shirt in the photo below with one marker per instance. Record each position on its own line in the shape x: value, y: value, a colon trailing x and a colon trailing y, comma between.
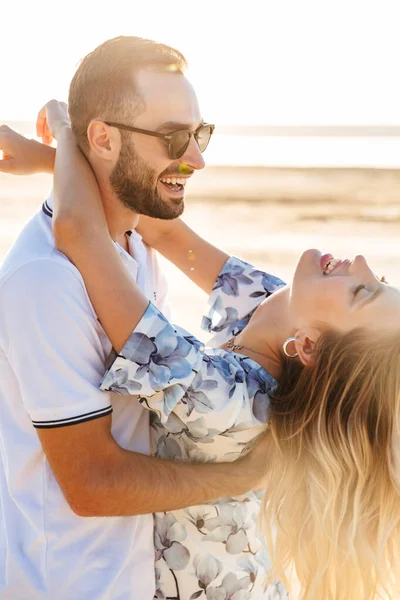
x: 52, y: 359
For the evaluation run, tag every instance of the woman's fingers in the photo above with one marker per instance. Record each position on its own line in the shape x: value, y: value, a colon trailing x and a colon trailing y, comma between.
x: 42, y: 127
x: 6, y: 151
x: 40, y: 122
x: 7, y: 165
x: 51, y: 117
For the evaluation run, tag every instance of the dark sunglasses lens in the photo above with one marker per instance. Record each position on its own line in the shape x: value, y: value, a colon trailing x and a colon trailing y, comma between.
x: 179, y: 143
x: 203, y: 137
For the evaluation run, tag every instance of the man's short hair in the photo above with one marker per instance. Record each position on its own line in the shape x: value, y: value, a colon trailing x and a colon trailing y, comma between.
x: 103, y: 86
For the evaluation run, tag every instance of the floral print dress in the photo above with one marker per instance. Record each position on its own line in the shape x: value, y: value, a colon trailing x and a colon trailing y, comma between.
x: 207, y: 404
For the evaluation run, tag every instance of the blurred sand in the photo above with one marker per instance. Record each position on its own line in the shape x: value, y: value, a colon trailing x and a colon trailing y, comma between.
x: 266, y: 216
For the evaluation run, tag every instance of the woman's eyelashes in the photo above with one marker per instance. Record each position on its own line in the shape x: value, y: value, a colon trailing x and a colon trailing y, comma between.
x: 359, y: 288
x: 362, y: 286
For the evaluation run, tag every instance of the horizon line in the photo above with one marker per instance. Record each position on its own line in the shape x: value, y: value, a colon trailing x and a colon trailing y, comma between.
x: 313, y: 130
x: 286, y: 130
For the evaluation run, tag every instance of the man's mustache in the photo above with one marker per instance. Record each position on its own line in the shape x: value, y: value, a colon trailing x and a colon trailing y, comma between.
x: 178, y: 169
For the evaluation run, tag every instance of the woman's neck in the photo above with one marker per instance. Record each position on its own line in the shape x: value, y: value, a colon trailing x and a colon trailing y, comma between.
x: 262, y: 339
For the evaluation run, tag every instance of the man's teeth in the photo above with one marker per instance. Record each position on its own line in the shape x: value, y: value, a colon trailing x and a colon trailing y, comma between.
x: 330, y: 265
x: 174, y: 180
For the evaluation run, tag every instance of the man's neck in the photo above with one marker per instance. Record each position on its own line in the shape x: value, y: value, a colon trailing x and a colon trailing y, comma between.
x: 120, y: 218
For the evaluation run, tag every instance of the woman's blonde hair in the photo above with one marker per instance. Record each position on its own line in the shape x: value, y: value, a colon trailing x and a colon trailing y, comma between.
x: 333, y: 487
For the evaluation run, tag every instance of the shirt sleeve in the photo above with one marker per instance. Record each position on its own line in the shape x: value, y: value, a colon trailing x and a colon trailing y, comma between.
x: 54, y: 344
x: 237, y: 292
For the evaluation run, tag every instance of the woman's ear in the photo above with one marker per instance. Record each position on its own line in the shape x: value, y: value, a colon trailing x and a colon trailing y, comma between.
x: 305, y: 345
x: 105, y: 141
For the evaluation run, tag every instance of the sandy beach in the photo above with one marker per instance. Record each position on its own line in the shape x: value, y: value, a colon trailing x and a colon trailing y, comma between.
x: 266, y: 216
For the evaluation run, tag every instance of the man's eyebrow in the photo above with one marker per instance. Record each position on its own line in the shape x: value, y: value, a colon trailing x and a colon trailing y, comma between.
x: 176, y: 125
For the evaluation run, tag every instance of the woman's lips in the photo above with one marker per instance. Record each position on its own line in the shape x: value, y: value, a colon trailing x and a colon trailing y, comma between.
x: 330, y: 264
x: 324, y: 261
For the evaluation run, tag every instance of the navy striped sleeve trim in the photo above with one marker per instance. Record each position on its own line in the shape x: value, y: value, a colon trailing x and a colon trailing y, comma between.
x: 46, y: 209
x: 73, y: 420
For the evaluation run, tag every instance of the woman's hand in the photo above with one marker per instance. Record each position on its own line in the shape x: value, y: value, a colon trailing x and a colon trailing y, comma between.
x: 152, y: 230
x: 51, y: 120
x: 22, y: 156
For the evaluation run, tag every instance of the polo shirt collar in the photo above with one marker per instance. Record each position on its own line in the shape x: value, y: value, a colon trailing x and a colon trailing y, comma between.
x: 134, y: 242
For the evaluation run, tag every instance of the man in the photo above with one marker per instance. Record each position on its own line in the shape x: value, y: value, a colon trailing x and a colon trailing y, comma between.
x: 77, y: 490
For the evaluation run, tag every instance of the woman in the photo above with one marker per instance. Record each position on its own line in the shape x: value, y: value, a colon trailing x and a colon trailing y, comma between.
x: 319, y: 359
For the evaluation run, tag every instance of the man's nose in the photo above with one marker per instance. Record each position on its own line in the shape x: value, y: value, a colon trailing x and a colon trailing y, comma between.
x: 193, y: 157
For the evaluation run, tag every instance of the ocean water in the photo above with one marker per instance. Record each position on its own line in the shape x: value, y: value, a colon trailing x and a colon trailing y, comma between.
x: 307, y: 151
x: 363, y: 151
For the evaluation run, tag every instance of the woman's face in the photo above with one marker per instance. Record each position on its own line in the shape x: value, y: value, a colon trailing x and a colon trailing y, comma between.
x: 328, y: 293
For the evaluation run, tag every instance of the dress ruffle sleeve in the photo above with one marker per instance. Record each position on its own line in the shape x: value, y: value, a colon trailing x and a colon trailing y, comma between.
x: 180, y: 380
x: 155, y: 357
x: 237, y: 292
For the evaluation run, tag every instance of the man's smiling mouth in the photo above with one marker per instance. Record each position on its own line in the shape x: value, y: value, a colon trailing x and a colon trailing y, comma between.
x: 174, y: 184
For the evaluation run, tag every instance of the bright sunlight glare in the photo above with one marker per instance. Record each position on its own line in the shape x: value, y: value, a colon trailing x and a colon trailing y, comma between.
x: 258, y: 62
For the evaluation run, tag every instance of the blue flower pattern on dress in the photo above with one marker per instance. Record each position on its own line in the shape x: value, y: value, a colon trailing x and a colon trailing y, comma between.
x: 207, y: 404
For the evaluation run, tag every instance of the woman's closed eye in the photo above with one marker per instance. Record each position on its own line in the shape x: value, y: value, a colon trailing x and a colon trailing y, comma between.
x: 367, y: 298
x: 359, y: 288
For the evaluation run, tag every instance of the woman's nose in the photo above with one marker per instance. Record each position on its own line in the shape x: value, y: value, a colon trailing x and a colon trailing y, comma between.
x: 359, y: 261
x: 360, y: 266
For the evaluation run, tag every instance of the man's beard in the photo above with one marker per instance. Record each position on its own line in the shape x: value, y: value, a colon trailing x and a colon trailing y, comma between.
x: 134, y: 183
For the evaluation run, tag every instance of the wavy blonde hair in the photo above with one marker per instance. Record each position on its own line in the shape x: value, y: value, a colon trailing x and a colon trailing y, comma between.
x: 333, y: 488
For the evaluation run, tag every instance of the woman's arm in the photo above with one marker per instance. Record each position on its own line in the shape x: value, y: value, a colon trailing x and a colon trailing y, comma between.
x: 194, y: 256
x: 22, y: 156
x: 81, y: 233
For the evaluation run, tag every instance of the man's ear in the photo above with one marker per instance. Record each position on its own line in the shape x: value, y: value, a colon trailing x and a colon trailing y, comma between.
x: 105, y: 141
x: 305, y: 345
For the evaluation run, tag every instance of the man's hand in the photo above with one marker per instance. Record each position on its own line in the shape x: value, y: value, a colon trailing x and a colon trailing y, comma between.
x: 22, y: 156
x: 256, y: 461
x: 51, y: 120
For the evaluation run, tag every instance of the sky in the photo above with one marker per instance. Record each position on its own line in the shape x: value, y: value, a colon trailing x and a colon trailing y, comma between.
x: 272, y: 62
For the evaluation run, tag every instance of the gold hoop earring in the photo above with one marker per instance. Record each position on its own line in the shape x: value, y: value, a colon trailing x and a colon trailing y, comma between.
x: 285, y: 345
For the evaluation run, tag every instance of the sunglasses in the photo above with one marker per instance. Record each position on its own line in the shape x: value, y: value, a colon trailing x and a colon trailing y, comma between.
x: 177, y: 141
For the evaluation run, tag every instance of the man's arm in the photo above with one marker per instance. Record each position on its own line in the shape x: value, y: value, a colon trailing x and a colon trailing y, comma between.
x: 55, y: 351
x: 22, y: 156
x: 99, y: 478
